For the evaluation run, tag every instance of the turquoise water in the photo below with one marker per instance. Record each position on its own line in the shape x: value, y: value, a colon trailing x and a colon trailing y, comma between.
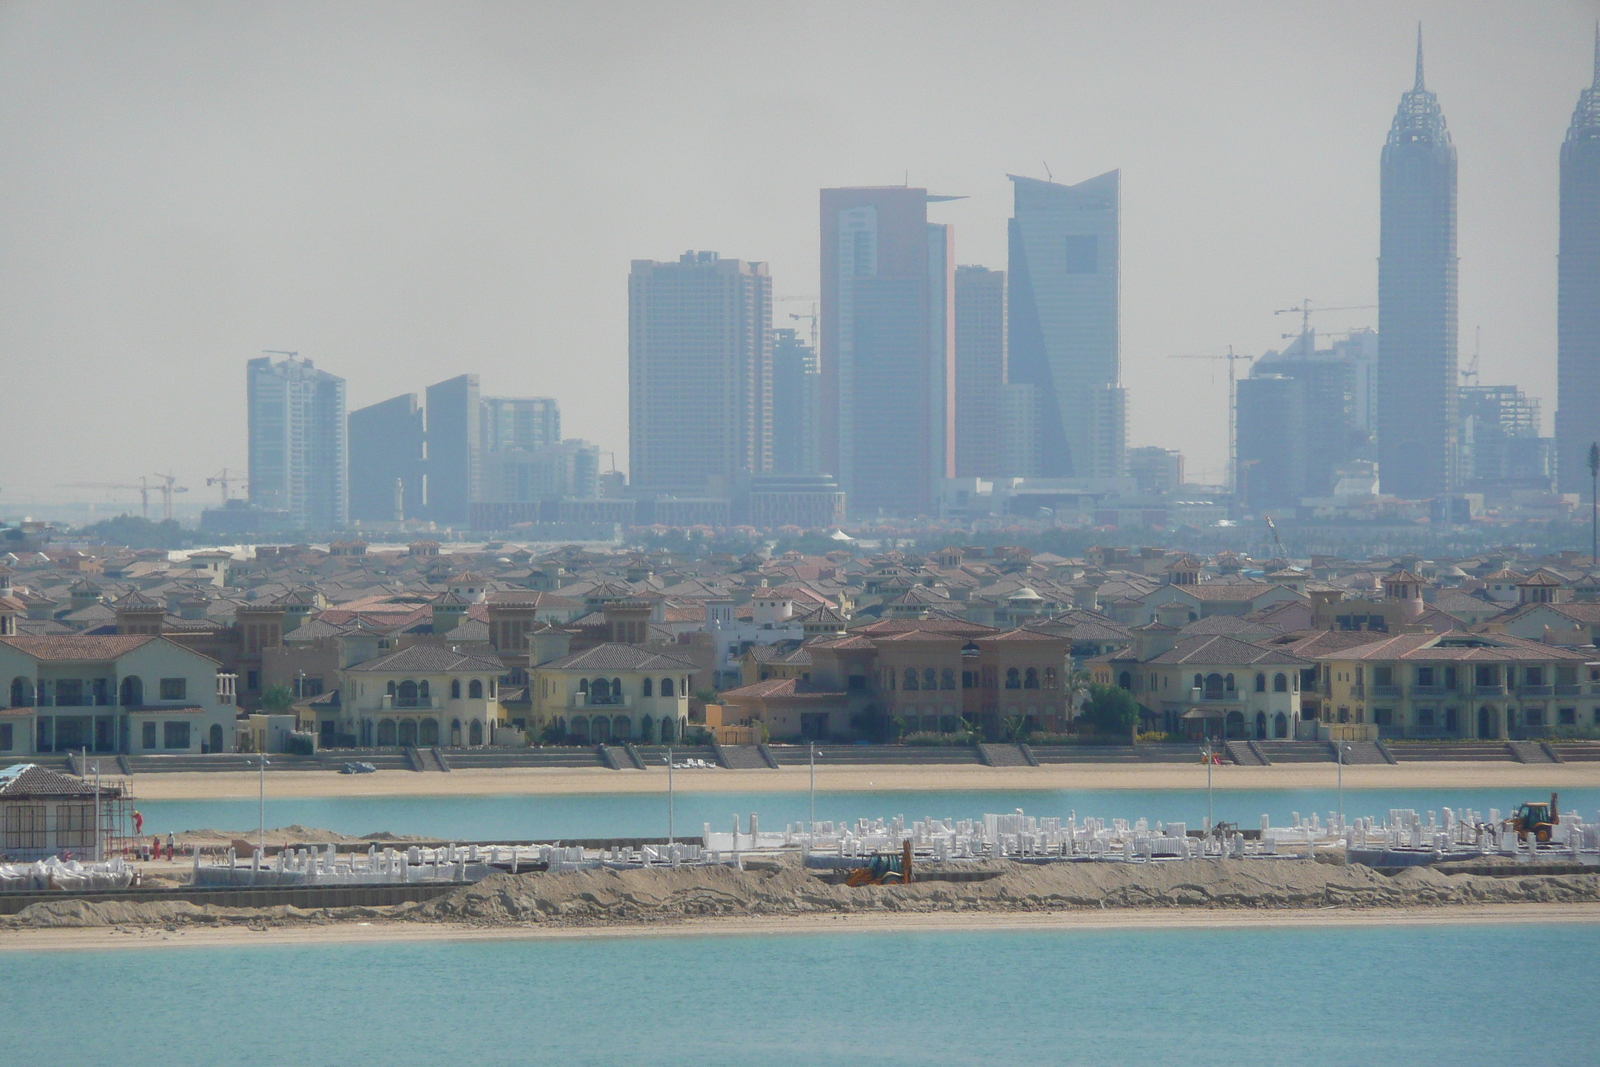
x: 489, y: 818
x: 1310, y: 997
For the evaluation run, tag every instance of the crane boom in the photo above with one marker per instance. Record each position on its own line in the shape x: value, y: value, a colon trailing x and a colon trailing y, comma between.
x: 1233, y: 447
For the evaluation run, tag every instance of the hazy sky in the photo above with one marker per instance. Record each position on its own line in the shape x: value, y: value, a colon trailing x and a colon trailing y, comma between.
x: 405, y: 192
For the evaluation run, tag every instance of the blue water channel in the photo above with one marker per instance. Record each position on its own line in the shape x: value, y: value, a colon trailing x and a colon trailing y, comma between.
x: 1414, y: 995
x: 505, y: 818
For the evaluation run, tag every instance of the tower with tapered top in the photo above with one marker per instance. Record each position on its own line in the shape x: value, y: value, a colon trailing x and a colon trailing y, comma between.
x: 1417, y: 276
x: 1578, y: 291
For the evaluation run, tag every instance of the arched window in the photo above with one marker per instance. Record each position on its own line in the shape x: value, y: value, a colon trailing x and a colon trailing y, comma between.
x: 1199, y: 682
x: 1229, y: 682
x: 475, y: 689
x: 476, y: 733
x: 389, y: 689
x: 1013, y: 678
x: 1125, y: 680
x: 429, y: 734
x: 132, y: 691
x: 1031, y: 679
x: 649, y: 688
x: 1049, y: 677
x: 1280, y: 683
x: 455, y: 689
x: 599, y: 691
x: 930, y: 678
x: 21, y: 692
x: 422, y: 689
x: 1261, y: 683
x: 406, y: 696
x: 911, y: 678
x: 668, y: 729
x: 386, y: 733
x: 947, y: 680
x: 1215, y: 686
x: 667, y: 688
x: 621, y: 728
x: 580, y: 727
x: 616, y: 690
x: 408, y: 732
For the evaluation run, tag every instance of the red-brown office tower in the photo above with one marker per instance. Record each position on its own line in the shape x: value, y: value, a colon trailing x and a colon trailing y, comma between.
x: 888, y: 349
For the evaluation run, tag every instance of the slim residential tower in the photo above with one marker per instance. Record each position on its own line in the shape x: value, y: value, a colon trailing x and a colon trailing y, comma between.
x: 297, y: 441
x: 699, y: 372
x: 1417, y: 301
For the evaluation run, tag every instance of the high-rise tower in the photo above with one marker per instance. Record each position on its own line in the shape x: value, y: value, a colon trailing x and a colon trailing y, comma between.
x: 980, y: 371
x: 888, y: 348
x: 699, y: 371
x: 297, y: 441
x: 385, y: 448
x: 1064, y: 322
x: 1578, y: 299
x: 1417, y: 300
x: 455, y: 446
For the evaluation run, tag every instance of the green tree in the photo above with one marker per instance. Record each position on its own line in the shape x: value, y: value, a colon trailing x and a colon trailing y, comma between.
x: 277, y: 699
x: 1111, y: 710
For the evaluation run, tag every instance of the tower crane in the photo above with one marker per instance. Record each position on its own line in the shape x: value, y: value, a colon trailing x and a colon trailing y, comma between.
x: 223, y: 478
x: 1472, y: 367
x: 812, y: 318
x: 168, y: 487
x: 1305, y: 311
x: 143, y: 489
x: 1233, y: 447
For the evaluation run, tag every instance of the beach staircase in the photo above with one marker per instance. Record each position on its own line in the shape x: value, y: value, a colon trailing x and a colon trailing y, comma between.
x: 743, y: 758
x: 1576, y: 751
x: 1531, y: 752
x: 1245, y: 754
x: 1294, y: 751
x: 633, y: 756
x: 1003, y: 756
x: 1451, y: 751
x: 425, y: 759
x: 858, y: 755
x: 608, y: 756
x: 1361, y: 753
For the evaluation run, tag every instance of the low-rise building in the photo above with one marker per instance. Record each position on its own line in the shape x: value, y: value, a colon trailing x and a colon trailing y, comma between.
x: 43, y: 813
x: 1461, y: 685
x: 112, y: 693
x: 419, y: 696
x: 612, y: 692
x: 1209, y: 686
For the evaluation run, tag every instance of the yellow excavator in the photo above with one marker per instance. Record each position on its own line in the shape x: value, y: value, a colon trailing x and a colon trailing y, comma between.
x: 885, y: 868
x: 1535, y: 817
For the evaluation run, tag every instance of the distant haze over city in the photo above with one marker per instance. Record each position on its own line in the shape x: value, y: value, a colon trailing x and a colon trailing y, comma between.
x: 407, y: 194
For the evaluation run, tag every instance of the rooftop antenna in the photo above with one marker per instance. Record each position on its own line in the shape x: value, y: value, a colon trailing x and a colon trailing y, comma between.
x: 1047, y: 173
x: 1419, y: 87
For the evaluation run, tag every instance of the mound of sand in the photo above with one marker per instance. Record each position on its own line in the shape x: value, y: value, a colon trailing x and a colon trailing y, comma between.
x: 604, y: 897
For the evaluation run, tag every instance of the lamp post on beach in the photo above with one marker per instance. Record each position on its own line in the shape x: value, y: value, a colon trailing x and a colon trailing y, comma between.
x: 670, y: 797
x: 813, y: 825
x: 1340, y: 750
x: 1208, y: 783
x: 261, y: 829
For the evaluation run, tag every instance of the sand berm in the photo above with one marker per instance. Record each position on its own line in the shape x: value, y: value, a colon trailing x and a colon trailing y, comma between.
x: 778, y: 889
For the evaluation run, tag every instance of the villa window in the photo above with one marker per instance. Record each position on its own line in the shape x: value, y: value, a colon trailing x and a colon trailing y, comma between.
x: 666, y: 687
x: 911, y: 678
x: 1383, y: 716
x: 1013, y: 678
x: 174, y: 688
x: 1261, y: 683
x: 1031, y: 679
x: 947, y: 679
x: 1425, y: 676
x: 930, y: 678
x: 649, y: 688
x: 455, y: 689
x: 475, y: 690
x: 1050, y: 677
x: 1533, y: 676
x: 1280, y: 683
x: 1567, y: 716
x: 1425, y: 717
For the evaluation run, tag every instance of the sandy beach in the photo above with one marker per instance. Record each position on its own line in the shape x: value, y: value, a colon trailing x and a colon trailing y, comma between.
x: 525, y: 782
x: 384, y: 932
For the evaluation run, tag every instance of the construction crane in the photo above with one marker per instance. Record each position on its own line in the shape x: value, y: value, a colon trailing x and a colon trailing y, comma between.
x: 1472, y: 367
x: 168, y: 487
x: 1305, y: 311
x: 1233, y: 446
x: 812, y: 318
x: 223, y: 478
x: 143, y: 489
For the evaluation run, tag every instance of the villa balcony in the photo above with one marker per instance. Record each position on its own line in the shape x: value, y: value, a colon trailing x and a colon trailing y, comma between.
x: 1569, y: 690
x: 1358, y: 692
x: 427, y: 703
x: 1431, y: 692
x: 581, y: 701
x: 1536, y: 690
x: 1488, y: 690
x: 1201, y: 696
x: 1386, y: 692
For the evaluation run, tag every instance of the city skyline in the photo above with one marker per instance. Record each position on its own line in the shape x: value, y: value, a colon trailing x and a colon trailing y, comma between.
x: 1169, y: 302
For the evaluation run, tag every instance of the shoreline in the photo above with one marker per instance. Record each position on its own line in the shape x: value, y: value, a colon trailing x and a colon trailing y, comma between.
x: 236, y: 785
x: 1077, y: 920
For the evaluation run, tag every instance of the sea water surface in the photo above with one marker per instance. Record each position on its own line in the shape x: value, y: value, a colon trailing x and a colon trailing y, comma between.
x: 1415, y: 995
x: 543, y: 818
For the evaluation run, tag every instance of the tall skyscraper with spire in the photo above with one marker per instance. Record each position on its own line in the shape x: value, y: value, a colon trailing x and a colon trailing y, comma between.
x: 1417, y: 275
x: 1064, y: 323
x: 1578, y: 291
